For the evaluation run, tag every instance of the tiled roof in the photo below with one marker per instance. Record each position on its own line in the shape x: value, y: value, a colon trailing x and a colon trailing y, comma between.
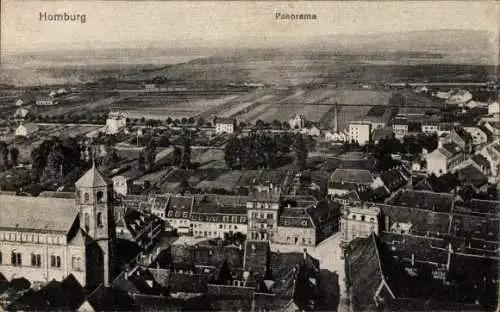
x: 324, y: 212
x: 450, y: 149
x: 295, y: 217
x: 369, y: 262
x: 161, y: 202
x: 188, y: 283
x: 92, y: 178
x: 222, y: 120
x: 423, y: 248
x: 256, y: 256
x: 393, y: 179
x: 481, y: 161
x: 37, y: 213
x: 422, y: 221
x: 55, y: 194
x: 352, y: 176
x: 178, y: 206
x: 439, y: 202
x: 365, y: 273
x: 443, y: 184
x: 272, y: 197
x: 110, y: 299
x: 473, y: 176
x: 480, y: 227
x: 211, y: 256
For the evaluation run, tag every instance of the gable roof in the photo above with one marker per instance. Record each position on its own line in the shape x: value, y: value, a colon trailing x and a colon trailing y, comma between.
x: 352, y: 176
x: 481, y: 161
x: 110, y: 299
x: 439, y: 202
x: 92, y: 178
x: 472, y: 175
x: 30, y: 127
x: 223, y: 120
x: 37, y: 213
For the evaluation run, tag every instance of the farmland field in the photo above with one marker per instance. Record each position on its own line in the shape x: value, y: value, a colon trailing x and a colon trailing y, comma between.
x: 241, y: 106
x: 357, y: 97
x: 163, y: 106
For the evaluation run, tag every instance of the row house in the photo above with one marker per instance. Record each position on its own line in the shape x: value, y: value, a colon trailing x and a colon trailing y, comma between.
x: 215, y: 220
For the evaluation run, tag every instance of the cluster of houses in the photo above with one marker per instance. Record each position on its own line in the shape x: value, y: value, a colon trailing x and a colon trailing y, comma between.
x: 71, y: 251
x: 263, y: 215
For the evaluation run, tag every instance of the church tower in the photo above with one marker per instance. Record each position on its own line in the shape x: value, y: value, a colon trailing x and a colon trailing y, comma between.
x: 94, y: 201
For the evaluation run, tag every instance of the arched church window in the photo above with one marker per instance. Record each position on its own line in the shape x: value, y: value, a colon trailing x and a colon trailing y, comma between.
x: 99, y: 219
x: 87, y: 222
x: 86, y: 197
x: 100, y: 196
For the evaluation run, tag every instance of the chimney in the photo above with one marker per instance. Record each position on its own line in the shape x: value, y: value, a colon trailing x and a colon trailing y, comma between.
x: 387, y: 223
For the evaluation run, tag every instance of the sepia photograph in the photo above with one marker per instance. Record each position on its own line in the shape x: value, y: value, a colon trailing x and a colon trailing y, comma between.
x: 249, y: 156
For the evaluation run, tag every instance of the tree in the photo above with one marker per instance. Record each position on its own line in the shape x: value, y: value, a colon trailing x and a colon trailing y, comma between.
x: 14, y: 155
x: 4, y: 151
x: 55, y: 161
x: 186, y: 155
x: 300, y: 152
x: 231, y: 152
x: 141, y: 162
x: 177, y: 156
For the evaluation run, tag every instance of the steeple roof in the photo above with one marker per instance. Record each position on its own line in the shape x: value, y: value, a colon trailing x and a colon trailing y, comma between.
x: 93, y: 178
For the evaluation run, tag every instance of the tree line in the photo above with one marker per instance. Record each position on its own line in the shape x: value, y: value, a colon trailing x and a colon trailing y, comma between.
x: 263, y: 150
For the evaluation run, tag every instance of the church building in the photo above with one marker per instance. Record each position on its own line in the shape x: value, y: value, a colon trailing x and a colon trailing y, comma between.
x: 43, y: 238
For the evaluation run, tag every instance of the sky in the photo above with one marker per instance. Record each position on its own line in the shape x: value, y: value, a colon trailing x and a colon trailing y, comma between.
x: 240, y: 23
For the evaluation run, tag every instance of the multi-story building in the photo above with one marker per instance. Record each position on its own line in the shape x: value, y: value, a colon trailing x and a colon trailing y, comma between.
x: 178, y: 213
x: 262, y: 210
x: 44, y: 238
x: 444, y: 158
x: 360, y: 133
x: 225, y: 125
x: 264, y: 215
x: 297, y: 122
x: 139, y: 227
x: 478, y: 136
x: 46, y: 101
x: 400, y: 127
x: 27, y: 129
x: 116, y: 123
x: 214, y: 218
x: 359, y: 222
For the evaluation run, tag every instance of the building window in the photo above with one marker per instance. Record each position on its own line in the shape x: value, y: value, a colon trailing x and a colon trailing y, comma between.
x: 354, y: 217
x: 16, y: 258
x: 55, y: 261
x: 99, y: 219
x: 87, y: 222
x: 0, y: 257
x: 36, y: 260
x: 234, y: 219
x: 269, y: 215
x: 362, y: 218
x: 76, y: 263
x: 86, y: 197
x: 100, y: 196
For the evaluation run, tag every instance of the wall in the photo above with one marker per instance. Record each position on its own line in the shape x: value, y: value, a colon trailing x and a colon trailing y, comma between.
x: 45, y: 272
x: 288, y: 235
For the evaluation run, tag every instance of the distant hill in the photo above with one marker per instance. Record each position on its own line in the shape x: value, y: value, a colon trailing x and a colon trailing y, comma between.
x: 314, y: 57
